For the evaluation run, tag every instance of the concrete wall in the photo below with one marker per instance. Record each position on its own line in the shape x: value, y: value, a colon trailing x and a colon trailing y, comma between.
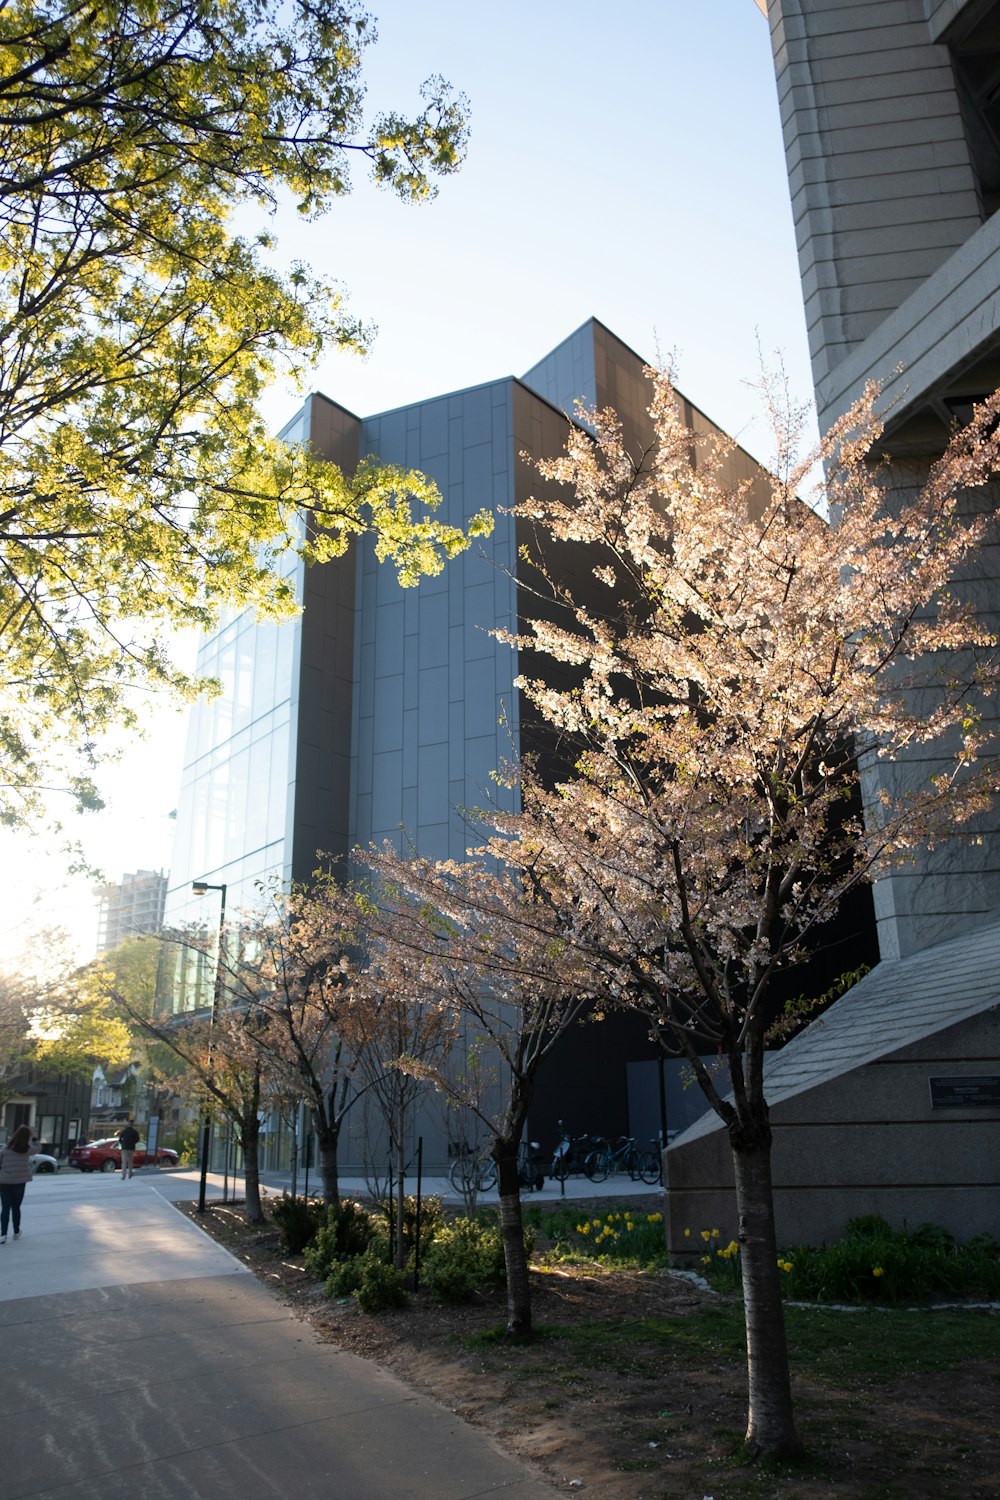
x: 868, y: 1142
x: 882, y: 183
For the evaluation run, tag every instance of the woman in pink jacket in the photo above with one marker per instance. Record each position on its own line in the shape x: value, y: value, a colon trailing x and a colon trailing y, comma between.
x: 15, y: 1172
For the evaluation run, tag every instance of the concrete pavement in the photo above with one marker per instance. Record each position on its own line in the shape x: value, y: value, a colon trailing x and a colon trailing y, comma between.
x: 140, y: 1358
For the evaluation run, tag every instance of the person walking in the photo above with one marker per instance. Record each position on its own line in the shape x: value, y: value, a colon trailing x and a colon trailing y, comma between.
x: 15, y: 1174
x: 128, y: 1139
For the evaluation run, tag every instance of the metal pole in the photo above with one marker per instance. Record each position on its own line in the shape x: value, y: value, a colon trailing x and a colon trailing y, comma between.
x: 206, y: 1134
x: 416, y: 1231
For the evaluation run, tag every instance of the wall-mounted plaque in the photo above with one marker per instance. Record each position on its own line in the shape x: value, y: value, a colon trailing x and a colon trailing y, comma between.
x: 967, y: 1091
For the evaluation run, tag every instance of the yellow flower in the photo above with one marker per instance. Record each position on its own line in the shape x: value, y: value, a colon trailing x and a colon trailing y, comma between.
x: 657, y: 1219
x: 784, y: 1265
x: 877, y: 1271
x: 687, y: 1232
x: 706, y: 1260
x: 583, y: 1229
x: 706, y: 1235
x: 715, y: 1234
x: 734, y: 1247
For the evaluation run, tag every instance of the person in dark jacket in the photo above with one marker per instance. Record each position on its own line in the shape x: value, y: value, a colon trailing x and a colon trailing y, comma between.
x: 15, y: 1174
x: 128, y: 1139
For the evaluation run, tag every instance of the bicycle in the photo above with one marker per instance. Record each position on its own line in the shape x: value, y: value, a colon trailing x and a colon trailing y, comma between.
x: 623, y: 1157
x: 473, y: 1172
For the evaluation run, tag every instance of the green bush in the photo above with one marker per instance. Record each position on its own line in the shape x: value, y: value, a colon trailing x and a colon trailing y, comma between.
x: 381, y: 1285
x: 349, y: 1230
x: 298, y: 1221
x: 875, y: 1263
x: 183, y: 1140
x: 466, y: 1256
x: 370, y: 1279
x: 432, y: 1220
x: 345, y: 1277
x: 872, y: 1263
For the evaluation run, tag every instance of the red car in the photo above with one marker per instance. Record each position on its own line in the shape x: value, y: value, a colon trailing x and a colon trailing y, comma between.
x: 106, y: 1156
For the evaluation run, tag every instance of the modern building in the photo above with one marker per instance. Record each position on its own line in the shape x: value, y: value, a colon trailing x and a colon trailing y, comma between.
x: 892, y: 139
x: 890, y: 1103
x: 384, y: 712
x: 130, y: 907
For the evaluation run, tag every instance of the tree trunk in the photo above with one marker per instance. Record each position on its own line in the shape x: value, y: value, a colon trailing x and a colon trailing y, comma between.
x: 328, y: 1142
x: 514, y: 1254
x: 253, y: 1213
x: 770, y: 1427
x: 400, y: 1256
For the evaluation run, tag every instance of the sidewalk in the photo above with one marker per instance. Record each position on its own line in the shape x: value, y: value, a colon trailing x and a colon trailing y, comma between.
x: 140, y: 1358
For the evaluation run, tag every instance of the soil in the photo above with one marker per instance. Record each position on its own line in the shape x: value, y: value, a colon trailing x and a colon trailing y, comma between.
x: 656, y: 1424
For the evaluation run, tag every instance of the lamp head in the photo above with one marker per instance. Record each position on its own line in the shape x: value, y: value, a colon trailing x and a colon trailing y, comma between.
x: 199, y: 887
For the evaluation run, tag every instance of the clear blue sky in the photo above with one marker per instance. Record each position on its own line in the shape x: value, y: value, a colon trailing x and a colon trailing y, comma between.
x: 625, y: 161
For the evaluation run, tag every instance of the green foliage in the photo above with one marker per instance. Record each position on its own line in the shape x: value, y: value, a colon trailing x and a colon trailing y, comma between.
x: 381, y: 1285
x: 622, y: 1236
x: 348, y: 1231
x: 370, y: 1279
x: 432, y: 1220
x: 875, y: 1263
x: 184, y: 1141
x: 298, y: 1220
x: 872, y: 1263
x: 345, y: 1277
x: 465, y: 1257
x: 140, y: 489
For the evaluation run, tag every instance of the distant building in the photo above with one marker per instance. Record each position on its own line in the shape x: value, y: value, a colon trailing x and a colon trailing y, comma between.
x: 382, y: 709
x: 132, y: 906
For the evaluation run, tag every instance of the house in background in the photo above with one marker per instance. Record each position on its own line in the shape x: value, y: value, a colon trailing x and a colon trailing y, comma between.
x: 56, y: 1108
x: 116, y: 1096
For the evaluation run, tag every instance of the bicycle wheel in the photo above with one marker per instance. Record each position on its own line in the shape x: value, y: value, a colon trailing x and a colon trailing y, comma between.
x: 649, y: 1167
x: 487, y: 1174
x: 459, y: 1173
x: 560, y: 1167
x: 597, y: 1166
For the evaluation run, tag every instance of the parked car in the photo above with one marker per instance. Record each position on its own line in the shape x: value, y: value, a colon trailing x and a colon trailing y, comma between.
x: 106, y: 1156
x: 42, y: 1162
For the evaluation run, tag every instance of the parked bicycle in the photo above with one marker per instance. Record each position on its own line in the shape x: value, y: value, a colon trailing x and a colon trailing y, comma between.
x: 572, y: 1152
x: 530, y: 1167
x: 624, y: 1156
x: 473, y: 1172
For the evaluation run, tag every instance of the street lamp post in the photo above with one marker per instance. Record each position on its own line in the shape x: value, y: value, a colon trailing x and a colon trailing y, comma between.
x: 201, y: 888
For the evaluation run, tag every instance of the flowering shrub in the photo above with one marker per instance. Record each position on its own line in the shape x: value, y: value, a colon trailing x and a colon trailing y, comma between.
x: 873, y: 1262
x: 620, y: 1236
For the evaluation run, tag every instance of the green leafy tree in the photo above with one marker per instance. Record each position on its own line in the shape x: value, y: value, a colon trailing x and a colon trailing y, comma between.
x: 139, y: 489
x: 80, y: 1030
x: 15, y: 1025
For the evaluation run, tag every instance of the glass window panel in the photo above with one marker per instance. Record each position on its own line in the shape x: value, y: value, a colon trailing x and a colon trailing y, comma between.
x: 236, y: 803
x: 263, y: 672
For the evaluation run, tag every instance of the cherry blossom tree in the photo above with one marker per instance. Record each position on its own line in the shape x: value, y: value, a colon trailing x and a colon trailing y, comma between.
x: 225, y: 1054
x: 735, y: 667
x: 308, y: 941
x: 471, y: 942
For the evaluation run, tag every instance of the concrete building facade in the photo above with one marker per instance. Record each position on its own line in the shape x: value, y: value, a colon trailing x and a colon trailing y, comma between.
x: 890, y: 1102
x: 130, y: 907
x: 383, y: 713
x: 892, y: 143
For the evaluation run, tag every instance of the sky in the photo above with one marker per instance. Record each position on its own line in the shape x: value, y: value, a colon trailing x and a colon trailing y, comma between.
x: 625, y: 163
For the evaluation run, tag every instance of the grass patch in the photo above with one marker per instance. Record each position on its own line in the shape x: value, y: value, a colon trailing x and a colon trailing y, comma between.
x: 881, y: 1344
x: 837, y: 1347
